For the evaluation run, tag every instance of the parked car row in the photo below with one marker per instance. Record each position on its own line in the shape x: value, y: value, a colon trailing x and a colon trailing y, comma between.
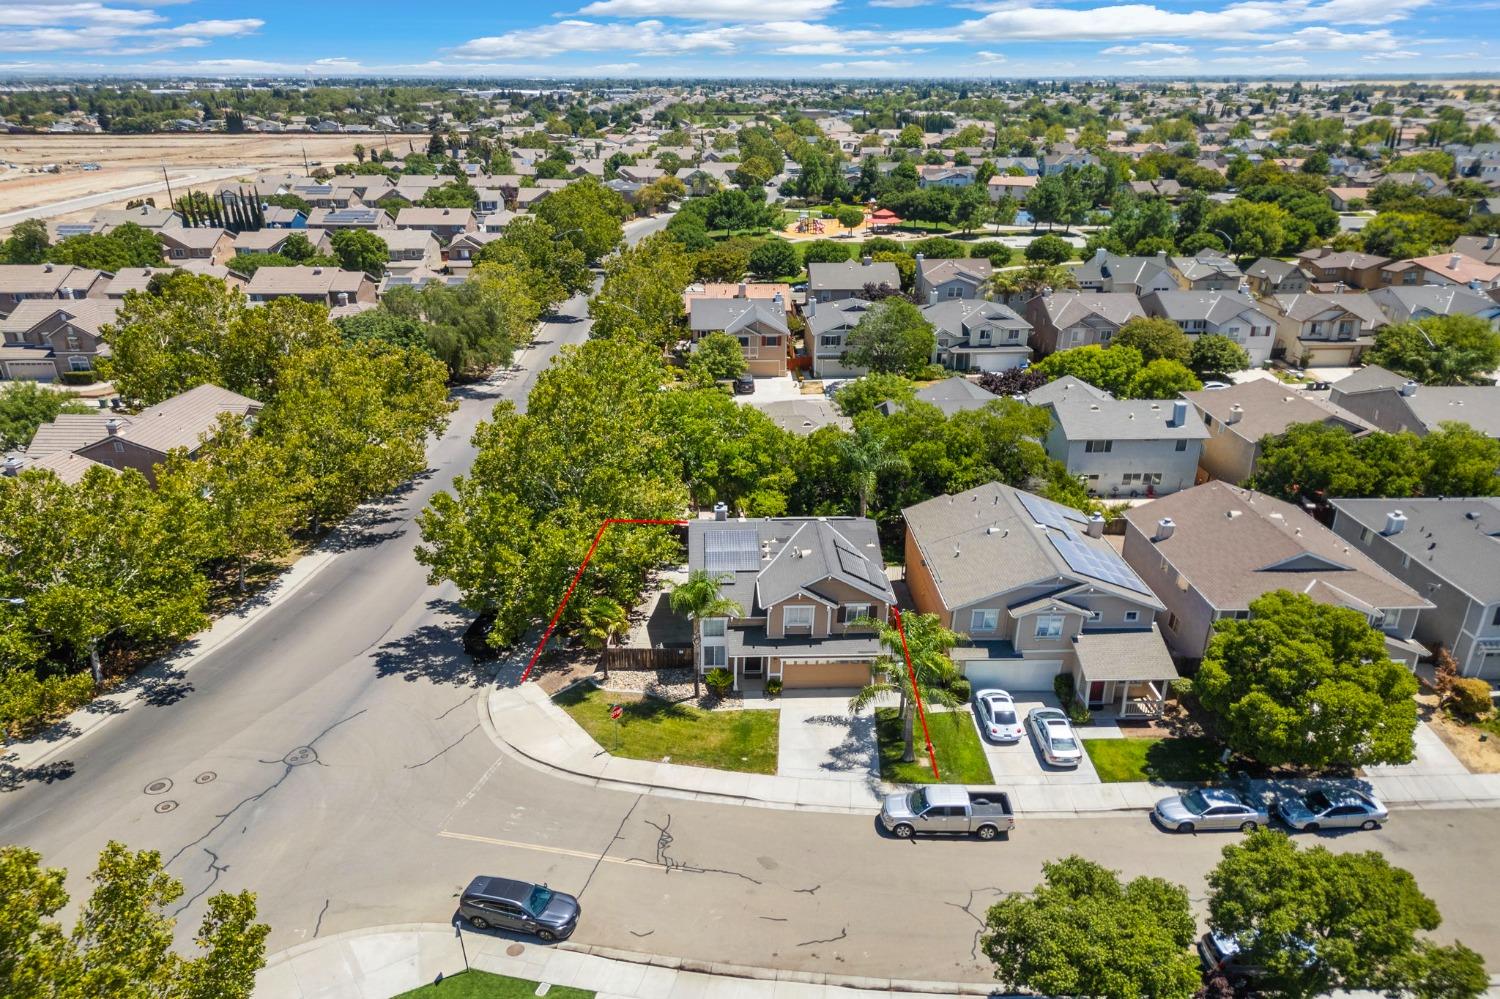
x: 1050, y: 728
x: 1304, y: 811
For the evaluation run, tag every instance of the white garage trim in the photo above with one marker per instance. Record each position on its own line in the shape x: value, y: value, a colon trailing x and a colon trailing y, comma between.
x: 1012, y: 674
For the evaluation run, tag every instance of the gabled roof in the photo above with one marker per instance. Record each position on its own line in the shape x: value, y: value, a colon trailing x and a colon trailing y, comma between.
x: 851, y: 275
x: 1216, y: 307
x: 1455, y: 539
x: 733, y: 314
x: 956, y: 316
x: 1066, y: 308
x: 87, y: 314
x: 45, y: 279
x: 1060, y: 388
x: 1269, y: 407
x: 974, y: 270
x: 1124, y: 419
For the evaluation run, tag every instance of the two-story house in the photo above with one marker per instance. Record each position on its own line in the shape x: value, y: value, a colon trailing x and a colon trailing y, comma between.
x: 461, y: 254
x: 274, y: 241
x: 960, y: 277
x: 1403, y: 303
x: 1442, y: 269
x: 46, y: 339
x: 1207, y: 271
x: 411, y: 249
x: 1207, y: 552
x: 1396, y: 404
x: 1326, y: 268
x: 1125, y: 447
x: 832, y: 282
x: 975, y: 335
x: 1228, y: 313
x: 330, y: 286
x: 1269, y: 276
x: 1448, y: 550
x: 828, y: 329
x: 62, y: 282
x: 1324, y: 330
x: 334, y: 219
x: 1065, y: 319
x: 804, y: 585
x: 1038, y: 592
x: 1239, y: 419
x: 444, y: 223
x: 758, y: 324
x: 1109, y: 272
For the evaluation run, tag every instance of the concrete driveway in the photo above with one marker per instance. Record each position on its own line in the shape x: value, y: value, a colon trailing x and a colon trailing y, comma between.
x: 821, y: 739
x: 1021, y: 762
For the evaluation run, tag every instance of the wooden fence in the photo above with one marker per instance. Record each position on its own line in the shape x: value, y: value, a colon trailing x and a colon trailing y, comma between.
x: 646, y: 658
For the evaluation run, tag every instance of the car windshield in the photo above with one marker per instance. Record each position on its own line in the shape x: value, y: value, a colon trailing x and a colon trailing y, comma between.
x: 540, y: 896
x: 1318, y: 802
x: 917, y: 802
x: 1195, y: 802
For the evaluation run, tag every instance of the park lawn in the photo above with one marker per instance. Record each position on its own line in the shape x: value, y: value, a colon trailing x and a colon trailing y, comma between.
x: 653, y: 730
x: 960, y: 755
x: 483, y: 985
x: 1186, y: 759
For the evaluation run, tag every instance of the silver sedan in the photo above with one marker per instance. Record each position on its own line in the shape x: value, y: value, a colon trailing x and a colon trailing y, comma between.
x: 1331, y: 808
x: 1210, y: 808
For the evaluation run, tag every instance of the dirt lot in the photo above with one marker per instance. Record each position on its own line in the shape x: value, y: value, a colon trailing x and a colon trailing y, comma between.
x: 130, y: 162
x: 1476, y: 748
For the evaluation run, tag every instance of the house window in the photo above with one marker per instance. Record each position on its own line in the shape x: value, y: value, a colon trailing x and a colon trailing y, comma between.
x: 1171, y: 621
x: 1365, y: 534
x: 770, y: 341
x: 1181, y: 446
x: 1496, y: 620
x: 713, y: 627
x: 852, y: 612
x: 1096, y: 615
x: 1098, y: 447
x: 1049, y: 626
x: 830, y: 340
x: 78, y: 363
x: 1010, y: 334
x: 715, y: 655
x: 744, y: 342
x: 984, y: 620
x: 72, y: 340
x: 797, y: 616
x: 1131, y: 617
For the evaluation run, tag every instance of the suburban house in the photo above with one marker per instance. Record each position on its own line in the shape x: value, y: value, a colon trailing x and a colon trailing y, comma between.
x: 1326, y: 267
x: 1018, y: 189
x: 1485, y: 249
x: 1209, y: 551
x: 145, y: 216
x: 1207, y: 271
x: 1062, y: 320
x: 976, y: 335
x: 348, y: 218
x: 830, y: 282
x: 1269, y: 276
x: 1108, y: 272
x: 956, y: 278
x: 329, y: 286
x: 1403, y: 303
x: 1448, y: 550
x: 216, y: 246
x: 1125, y: 447
x: 128, y: 279
x: 144, y: 440
x: 411, y: 249
x: 951, y: 395
x: 945, y: 175
x: 461, y: 254
x: 828, y: 329
x: 444, y: 223
x: 803, y: 585
x: 1396, y: 404
x: 806, y: 415
x: 1442, y: 269
x: 64, y: 282
x: 1324, y: 330
x: 759, y: 325
x: 1038, y: 592
x: 47, y: 339
x: 1227, y: 313
x: 1240, y: 417
x: 274, y: 240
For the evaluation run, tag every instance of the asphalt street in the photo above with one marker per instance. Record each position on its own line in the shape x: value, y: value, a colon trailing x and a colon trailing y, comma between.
x: 331, y: 758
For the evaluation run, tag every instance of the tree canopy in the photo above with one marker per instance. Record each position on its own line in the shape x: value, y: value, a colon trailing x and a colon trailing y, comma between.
x: 892, y: 337
x: 1439, y: 350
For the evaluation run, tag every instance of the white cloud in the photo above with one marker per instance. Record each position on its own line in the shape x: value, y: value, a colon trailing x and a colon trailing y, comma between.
x: 1245, y: 19
x: 100, y: 30
x: 864, y: 67
x: 45, y: 15
x: 608, y: 68
x: 1330, y: 39
x: 1147, y: 48
x: 897, y: 3
x: 990, y: 57
x: 646, y: 37
x: 712, y: 10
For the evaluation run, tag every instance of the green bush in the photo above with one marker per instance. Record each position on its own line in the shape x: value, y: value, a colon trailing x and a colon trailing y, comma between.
x: 79, y: 378
x: 1181, y: 688
x: 773, y: 686
x: 961, y: 688
x: 1470, y: 697
x: 1078, y: 714
x: 995, y: 251
x: 27, y: 701
x: 719, y: 681
x: 1064, y: 688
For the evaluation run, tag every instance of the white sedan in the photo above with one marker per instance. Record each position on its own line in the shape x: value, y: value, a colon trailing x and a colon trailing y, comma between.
x: 997, y: 716
x: 1054, y: 737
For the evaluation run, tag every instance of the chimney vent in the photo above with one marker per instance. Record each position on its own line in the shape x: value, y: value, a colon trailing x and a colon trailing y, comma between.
x: 112, y: 426
x: 13, y: 465
x: 1096, y: 525
x: 1165, y: 528
x: 1454, y: 261
x: 1179, y: 412
x: 721, y: 511
x: 744, y: 291
x: 1409, y: 389
x: 1236, y: 413
x: 1395, y: 523
x: 866, y: 260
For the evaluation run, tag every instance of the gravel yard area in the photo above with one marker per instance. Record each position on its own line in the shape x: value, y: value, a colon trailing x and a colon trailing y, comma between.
x: 675, y: 686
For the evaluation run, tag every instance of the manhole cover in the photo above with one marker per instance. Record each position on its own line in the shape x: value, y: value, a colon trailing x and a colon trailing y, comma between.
x: 299, y: 756
x: 162, y: 807
x: 206, y: 777
x: 161, y: 786
x: 515, y: 950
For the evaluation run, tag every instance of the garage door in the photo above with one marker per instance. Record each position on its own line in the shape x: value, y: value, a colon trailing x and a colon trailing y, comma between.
x: 1012, y: 674
x: 31, y: 371
x: 804, y: 675
x: 1489, y: 667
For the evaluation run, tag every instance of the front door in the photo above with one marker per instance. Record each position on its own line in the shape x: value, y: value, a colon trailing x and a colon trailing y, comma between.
x: 1096, y: 694
x: 754, y: 665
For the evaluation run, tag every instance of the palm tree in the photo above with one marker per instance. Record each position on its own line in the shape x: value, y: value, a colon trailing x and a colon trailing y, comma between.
x: 1031, y: 279
x: 869, y: 456
x: 928, y: 642
x: 605, y: 623
x: 698, y: 597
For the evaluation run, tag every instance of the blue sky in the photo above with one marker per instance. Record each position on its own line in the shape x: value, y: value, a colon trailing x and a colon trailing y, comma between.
x: 737, y: 38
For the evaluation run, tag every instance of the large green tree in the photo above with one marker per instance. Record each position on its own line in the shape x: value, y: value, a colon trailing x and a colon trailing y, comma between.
x: 1439, y: 350
x: 641, y: 297
x: 1154, y: 338
x: 1320, y: 922
x: 24, y: 406
x: 927, y: 642
x: 586, y: 214
x: 1307, y: 684
x: 553, y: 268
x: 121, y: 944
x: 1082, y: 932
x: 27, y: 244
x: 1215, y: 355
x: 892, y: 337
x: 361, y: 250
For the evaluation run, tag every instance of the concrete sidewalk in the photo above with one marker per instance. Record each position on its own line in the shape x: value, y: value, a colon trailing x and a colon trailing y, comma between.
x: 385, y: 961
x: 524, y: 721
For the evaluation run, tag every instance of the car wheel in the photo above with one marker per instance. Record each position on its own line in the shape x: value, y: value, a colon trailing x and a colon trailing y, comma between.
x: 546, y: 936
x: 1248, y: 827
x: 1185, y: 827
x: 987, y: 832
x: 903, y: 831
x: 1370, y: 824
x: 1310, y: 827
x: 479, y: 922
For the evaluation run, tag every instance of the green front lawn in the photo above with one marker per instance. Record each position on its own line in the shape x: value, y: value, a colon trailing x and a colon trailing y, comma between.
x: 1119, y: 760
x: 654, y: 730
x: 960, y: 756
x: 483, y: 985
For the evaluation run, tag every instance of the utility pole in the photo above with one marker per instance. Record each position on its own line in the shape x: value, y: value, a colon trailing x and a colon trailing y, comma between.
x: 306, y: 170
x: 169, y: 185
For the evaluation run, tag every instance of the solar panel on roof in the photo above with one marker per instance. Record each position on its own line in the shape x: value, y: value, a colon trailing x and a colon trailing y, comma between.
x: 66, y: 229
x: 1097, y: 563
x: 734, y: 550
x: 352, y: 215
x: 1051, y: 514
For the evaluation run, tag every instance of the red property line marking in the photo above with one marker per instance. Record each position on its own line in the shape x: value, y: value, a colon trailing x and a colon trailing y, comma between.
x: 922, y: 714
x: 598, y: 537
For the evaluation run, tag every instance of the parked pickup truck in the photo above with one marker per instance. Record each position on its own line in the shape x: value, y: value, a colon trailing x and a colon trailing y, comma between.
x: 983, y: 811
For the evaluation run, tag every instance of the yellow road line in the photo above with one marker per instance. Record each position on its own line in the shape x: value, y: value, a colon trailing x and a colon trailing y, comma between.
x: 559, y: 850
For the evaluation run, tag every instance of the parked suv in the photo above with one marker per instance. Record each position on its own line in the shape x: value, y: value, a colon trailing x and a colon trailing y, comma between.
x: 505, y: 904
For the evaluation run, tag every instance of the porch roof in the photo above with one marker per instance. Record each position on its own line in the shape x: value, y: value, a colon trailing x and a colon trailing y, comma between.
x: 1124, y: 655
x: 980, y: 650
x: 755, y: 642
